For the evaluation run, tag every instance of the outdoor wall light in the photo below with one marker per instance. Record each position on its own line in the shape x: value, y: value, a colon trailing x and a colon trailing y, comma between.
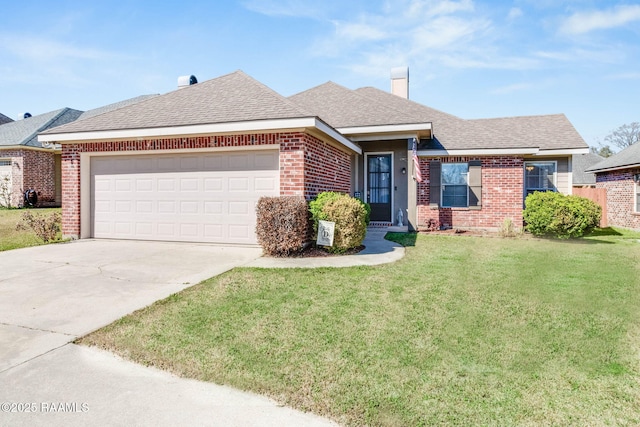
x: 404, y: 171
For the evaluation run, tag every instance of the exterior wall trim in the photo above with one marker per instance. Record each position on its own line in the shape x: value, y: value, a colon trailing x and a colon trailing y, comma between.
x: 366, y: 174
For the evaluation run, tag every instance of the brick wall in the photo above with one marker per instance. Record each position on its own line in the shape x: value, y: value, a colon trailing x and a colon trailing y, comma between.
x: 502, y: 194
x: 308, y: 165
x: 620, y: 197
x: 32, y: 169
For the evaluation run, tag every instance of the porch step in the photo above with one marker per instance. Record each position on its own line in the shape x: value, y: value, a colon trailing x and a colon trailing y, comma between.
x: 387, y: 228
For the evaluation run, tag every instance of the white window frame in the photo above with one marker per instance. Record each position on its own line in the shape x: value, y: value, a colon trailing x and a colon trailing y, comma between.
x: 538, y: 162
x: 442, y: 184
x: 636, y: 197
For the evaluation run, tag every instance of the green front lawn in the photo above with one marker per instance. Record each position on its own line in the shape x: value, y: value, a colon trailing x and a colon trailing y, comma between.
x: 463, y: 331
x: 10, y: 238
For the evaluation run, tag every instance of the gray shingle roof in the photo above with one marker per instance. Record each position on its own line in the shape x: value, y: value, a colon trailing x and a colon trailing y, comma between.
x: 449, y: 131
x: 627, y: 158
x: 25, y: 132
x: 581, y: 163
x: 234, y: 97
x: 4, y: 119
x: 343, y: 108
x: 114, y: 106
x: 547, y: 132
x: 340, y: 107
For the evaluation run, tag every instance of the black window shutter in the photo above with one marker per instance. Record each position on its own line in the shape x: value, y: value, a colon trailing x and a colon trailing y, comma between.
x: 434, y: 184
x: 475, y: 184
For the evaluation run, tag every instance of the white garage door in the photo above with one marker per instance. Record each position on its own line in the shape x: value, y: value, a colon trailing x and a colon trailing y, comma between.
x: 205, y: 197
x: 5, y: 182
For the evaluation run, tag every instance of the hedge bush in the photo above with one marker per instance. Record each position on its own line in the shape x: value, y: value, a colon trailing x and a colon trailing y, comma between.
x: 283, y: 225
x: 554, y: 214
x: 349, y: 214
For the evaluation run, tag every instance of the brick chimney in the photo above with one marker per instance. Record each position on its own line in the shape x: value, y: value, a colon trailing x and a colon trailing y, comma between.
x: 400, y: 82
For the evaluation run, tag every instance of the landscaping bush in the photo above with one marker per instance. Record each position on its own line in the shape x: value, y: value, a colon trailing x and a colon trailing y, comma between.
x: 554, y: 214
x: 282, y: 224
x: 349, y: 214
x: 46, y: 227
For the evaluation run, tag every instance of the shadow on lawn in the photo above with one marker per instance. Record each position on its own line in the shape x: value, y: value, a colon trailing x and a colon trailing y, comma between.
x: 405, y: 239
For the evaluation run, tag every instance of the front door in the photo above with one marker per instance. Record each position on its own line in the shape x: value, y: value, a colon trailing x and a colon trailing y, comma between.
x: 379, y: 186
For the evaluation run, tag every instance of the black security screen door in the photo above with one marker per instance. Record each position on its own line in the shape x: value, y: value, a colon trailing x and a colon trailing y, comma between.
x: 379, y: 186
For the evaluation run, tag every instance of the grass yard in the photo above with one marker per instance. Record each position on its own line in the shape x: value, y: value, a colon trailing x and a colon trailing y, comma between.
x: 463, y: 331
x: 10, y: 238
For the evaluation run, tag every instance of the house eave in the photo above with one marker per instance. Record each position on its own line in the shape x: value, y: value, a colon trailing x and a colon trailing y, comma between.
x: 56, y: 148
x: 564, y: 152
x: 479, y: 152
x: 614, y: 168
x: 387, y: 132
x: 253, y: 126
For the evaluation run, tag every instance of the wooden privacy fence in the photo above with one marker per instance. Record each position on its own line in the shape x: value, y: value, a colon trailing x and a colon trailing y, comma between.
x: 598, y: 195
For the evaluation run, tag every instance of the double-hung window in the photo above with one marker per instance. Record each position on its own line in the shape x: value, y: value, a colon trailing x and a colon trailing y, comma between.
x: 455, y: 185
x: 539, y: 176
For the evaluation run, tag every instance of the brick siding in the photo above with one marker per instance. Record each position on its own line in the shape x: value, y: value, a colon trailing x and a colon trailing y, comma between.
x: 502, y: 195
x: 32, y: 169
x: 308, y: 165
x: 620, y: 197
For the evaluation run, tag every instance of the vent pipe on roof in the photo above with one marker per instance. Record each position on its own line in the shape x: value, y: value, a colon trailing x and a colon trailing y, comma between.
x: 26, y: 115
x: 184, y: 81
x: 400, y: 81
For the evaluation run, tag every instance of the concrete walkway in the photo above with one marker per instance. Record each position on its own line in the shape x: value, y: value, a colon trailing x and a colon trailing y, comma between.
x: 51, y: 295
x: 377, y: 251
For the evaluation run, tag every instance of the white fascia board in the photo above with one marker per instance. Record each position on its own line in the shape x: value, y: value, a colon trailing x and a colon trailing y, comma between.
x: 614, y: 168
x: 565, y: 152
x: 359, y: 130
x: 383, y: 137
x: 30, y: 147
x: 215, y: 128
x: 479, y: 152
x: 333, y: 133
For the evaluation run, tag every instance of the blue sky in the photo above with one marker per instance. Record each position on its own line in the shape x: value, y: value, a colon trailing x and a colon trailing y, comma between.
x: 471, y: 58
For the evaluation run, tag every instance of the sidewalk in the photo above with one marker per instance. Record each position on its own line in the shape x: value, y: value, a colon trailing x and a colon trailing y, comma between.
x: 377, y: 251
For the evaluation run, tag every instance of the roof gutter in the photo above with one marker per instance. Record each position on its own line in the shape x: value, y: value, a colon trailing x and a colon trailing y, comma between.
x: 252, y: 126
x: 614, y: 168
x: 387, y: 132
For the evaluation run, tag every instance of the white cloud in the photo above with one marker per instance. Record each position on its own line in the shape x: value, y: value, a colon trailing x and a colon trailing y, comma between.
x: 444, y: 32
x: 358, y: 31
x: 42, y: 50
x: 515, y: 13
x: 430, y: 8
x: 291, y: 8
x: 584, y: 22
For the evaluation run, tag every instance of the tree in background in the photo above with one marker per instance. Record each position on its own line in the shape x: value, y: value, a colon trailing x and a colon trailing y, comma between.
x: 624, y: 136
x: 602, y: 150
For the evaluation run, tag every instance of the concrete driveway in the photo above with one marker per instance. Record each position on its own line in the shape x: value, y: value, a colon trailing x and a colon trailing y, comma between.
x: 50, y: 295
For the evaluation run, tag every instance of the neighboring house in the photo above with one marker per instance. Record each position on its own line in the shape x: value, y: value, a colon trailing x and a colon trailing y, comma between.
x: 4, y: 119
x: 582, y: 162
x: 620, y: 176
x: 190, y: 165
x: 29, y: 164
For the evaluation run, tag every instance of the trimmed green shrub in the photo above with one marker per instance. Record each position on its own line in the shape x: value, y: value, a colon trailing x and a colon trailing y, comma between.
x: 554, y: 214
x: 349, y: 214
x: 282, y: 225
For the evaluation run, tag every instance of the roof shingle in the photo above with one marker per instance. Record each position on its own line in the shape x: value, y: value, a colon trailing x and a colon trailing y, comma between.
x: 25, y: 132
x: 627, y: 158
x: 233, y: 97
